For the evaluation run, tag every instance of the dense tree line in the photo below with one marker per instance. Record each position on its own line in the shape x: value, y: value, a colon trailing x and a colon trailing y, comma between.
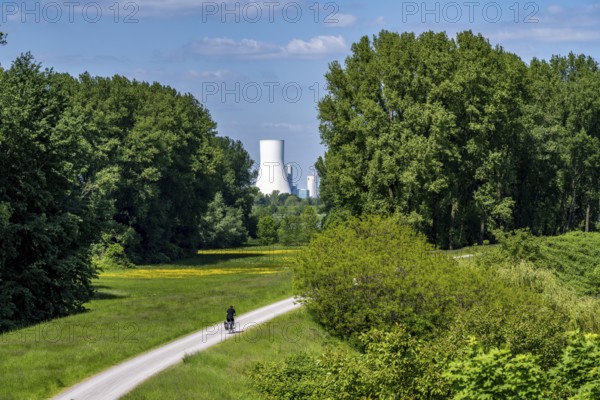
x: 461, y: 138
x: 158, y: 162
x: 109, y: 169
x: 285, y: 219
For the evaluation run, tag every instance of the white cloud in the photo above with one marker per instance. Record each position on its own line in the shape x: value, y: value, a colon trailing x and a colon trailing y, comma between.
x: 219, y: 47
x: 246, y: 49
x: 317, y: 46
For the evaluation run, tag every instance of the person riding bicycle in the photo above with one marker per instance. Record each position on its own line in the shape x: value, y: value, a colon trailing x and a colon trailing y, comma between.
x: 230, y: 314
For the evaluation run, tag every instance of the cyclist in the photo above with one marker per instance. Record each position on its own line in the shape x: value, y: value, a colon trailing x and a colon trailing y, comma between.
x: 230, y: 314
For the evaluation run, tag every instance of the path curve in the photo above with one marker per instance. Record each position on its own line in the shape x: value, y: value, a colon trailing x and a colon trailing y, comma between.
x: 122, y: 378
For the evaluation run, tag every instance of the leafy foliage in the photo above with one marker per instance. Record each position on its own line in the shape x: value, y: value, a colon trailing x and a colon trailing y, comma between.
x: 132, y: 168
x: 298, y: 229
x: 267, y: 231
x: 46, y: 222
x: 222, y: 226
x: 497, y: 375
x: 578, y: 373
x: 428, y: 327
x: 573, y: 257
x: 395, y: 364
x: 112, y: 256
x: 157, y: 164
x: 463, y: 138
x: 296, y: 220
x: 297, y: 378
x: 374, y: 272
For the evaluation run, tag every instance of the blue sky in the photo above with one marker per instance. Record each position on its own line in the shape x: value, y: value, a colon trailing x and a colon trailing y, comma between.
x: 259, y: 66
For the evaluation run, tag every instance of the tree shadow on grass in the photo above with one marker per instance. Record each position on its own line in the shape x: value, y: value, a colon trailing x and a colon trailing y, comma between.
x: 100, y: 293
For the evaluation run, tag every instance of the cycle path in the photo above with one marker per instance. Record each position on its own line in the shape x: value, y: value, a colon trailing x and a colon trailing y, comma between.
x: 122, y: 378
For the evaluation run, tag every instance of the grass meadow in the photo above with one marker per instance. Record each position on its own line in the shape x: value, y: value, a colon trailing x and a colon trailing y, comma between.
x: 136, y: 310
x: 221, y: 371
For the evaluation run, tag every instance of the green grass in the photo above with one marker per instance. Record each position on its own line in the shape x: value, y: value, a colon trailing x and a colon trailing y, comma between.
x: 221, y: 371
x: 133, y: 314
x: 575, y: 258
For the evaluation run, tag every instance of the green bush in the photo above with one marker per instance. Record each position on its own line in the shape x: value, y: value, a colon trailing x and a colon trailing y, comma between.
x: 578, y: 373
x: 298, y: 377
x: 573, y: 257
x: 374, y: 273
x: 497, y: 374
x: 500, y: 374
x: 114, y: 256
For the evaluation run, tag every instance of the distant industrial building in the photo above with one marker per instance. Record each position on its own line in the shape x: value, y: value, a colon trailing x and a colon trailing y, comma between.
x: 291, y: 177
x: 272, y: 174
x: 303, y: 193
x: 275, y: 175
x: 311, y: 184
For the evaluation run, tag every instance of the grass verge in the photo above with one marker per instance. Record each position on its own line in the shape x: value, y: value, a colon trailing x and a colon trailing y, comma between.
x: 134, y: 313
x: 221, y: 371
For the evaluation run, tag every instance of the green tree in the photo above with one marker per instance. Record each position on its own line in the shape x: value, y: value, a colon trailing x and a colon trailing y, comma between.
x: 563, y: 166
x: 437, y: 119
x: 309, y: 224
x: 290, y: 230
x: 234, y: 176
x: 156, y: 164
x: 461, y: 137
x: 46, y: 220
x: 267, y: 230
x: 222, y: 226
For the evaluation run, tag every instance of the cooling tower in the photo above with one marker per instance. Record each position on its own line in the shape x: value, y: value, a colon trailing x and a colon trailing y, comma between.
x: 272, y: 174
x: 311, y: 185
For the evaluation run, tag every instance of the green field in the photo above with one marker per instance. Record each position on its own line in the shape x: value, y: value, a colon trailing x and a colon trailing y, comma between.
x: 221, y: 371
x: 575, y: 259
x: 135, y: 310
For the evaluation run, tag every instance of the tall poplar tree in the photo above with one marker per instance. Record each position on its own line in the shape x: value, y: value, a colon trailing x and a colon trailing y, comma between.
x: 461, y: 137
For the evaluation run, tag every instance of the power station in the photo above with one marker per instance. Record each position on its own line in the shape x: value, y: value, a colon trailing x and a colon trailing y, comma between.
x: 275, y: 175
x: 272, y: 174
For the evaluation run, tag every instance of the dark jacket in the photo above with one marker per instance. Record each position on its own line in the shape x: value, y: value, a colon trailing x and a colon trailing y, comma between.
x: 230, y: 313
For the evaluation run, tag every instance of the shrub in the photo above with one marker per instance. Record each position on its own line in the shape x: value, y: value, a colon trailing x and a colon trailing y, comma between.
x: 114, y: 257
x: 497, y: 374
x: 578, y: 372
x: 374, y: 273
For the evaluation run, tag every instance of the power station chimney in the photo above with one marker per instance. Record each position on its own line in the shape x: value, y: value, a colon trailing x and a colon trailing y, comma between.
x: 311, y: 185
x: 272, y: 174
